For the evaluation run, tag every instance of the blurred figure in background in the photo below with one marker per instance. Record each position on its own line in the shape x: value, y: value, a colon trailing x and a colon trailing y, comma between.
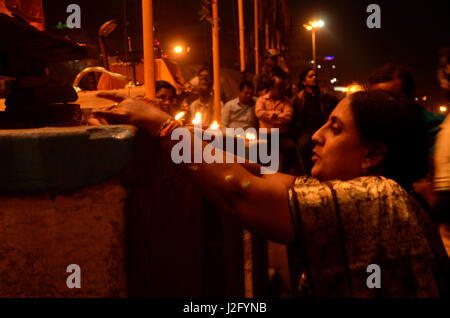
x: 312, y: 106
x: 442, y: 173
x: 240, y: 112
x: 398, y: 80
x: 191, y: 92
x: 274, y: 110
x: 204, y: 104
x: 203, y: 73
x: 167, y: 94
x: 442, y: 153
x: 270, y: 67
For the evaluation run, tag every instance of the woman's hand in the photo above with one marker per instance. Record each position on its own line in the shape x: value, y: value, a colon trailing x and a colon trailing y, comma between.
x: 138, y: 111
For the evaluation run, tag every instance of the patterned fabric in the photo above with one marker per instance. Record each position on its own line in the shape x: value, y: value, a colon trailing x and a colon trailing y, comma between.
x: 342, y: 227
x: 442, y: 158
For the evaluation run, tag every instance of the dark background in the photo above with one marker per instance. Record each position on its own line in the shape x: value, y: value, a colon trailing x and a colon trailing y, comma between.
x: 412, y: 33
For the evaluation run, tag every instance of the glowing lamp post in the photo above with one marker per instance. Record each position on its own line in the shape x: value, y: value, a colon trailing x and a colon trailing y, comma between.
x: 178, y: 49
x: 312, y: 26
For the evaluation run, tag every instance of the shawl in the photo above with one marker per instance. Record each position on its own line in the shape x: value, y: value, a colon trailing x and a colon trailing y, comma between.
x: 342, y: 227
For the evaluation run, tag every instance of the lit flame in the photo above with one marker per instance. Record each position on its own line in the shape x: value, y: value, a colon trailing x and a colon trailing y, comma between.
x: 179, y: 115
x: 214, y: 125
x: 354, y: 88
x: 443, y: 109
x: 197, y: 119
x: 250, y: 136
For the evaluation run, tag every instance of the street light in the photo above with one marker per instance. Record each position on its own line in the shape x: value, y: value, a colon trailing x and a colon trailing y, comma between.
x: 178, y: 49
x: 311, y: 26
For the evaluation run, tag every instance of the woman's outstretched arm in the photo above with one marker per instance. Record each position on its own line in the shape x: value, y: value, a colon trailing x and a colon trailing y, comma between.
x: 260, y: 203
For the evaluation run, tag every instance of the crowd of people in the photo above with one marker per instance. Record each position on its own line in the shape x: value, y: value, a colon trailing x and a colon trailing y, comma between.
x: 265, y: 101
x: 357, y: 187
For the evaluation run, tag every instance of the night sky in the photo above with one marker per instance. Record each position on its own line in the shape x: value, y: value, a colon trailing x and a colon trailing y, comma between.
x: 411, y: 32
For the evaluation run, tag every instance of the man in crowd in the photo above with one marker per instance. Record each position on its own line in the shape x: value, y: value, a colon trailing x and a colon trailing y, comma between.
x: 274, y: 110
x: 204, y: 104
x: 240, y: 112
x: 190, y: 92
x: 268, y: 70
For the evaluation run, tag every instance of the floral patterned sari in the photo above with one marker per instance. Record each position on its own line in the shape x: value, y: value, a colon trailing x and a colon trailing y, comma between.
x: 341, y: 227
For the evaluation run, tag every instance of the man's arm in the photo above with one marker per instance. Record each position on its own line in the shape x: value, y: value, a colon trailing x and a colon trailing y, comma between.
x: 261, y: 112
x: 285, y: 116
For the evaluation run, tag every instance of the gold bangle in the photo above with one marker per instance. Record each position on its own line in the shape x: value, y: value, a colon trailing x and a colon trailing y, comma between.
x: 164, y: 125
x: 169, y: 127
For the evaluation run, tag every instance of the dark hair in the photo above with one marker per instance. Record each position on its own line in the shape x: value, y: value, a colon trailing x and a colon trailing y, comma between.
x: 277, y: 74
x: 163, y: 84
x: 203, y: 68
x: 246, y: 83
x: 381, y: 116
x: 260, y: 86
x: 303, y: 75
x: 389, y: 72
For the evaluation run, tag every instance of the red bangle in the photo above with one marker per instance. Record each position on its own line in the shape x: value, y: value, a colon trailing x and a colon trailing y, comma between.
x: 164, y: 125
x: 165, y: 129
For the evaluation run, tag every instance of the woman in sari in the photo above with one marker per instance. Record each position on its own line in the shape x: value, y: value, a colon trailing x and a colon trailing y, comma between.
x: 357, y: 209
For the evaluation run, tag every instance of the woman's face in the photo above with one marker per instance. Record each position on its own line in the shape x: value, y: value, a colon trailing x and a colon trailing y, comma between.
x: 310, y: 79
x: 339, y: 150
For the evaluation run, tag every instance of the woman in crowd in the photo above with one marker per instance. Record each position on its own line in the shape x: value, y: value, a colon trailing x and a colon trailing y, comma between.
x: 357, y: 211
x: 312, y: 106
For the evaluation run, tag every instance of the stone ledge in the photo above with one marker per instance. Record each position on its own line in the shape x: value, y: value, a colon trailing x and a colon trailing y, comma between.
x: 61, y: 159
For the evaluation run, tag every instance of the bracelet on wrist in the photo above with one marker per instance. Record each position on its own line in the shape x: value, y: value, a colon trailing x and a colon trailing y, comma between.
x: 169, y: 125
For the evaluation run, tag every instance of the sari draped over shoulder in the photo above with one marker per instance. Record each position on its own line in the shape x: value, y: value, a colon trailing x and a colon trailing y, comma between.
x: 342, y: 227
